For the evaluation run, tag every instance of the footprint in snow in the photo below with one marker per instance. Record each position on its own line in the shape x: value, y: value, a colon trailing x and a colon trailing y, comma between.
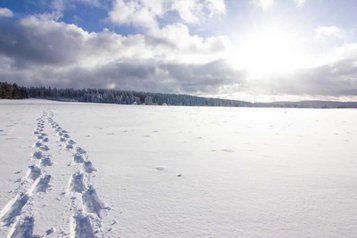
x: 46, y: 161
x: 37, y: 155
x: 72, y: 142
x: 42, y: 184
x: 82, y: 226
x: 23, y: 228
x: 13, y: 209
x: 37, y: 144
x: 80, y: 150
x: 44, y: 148
x: 88, y: 167
x: 69, y: 146
x: 76, y: 183
x: 91, y: 201
x: 34, y: 172
x: 78, y: 158
x: 50, y: 231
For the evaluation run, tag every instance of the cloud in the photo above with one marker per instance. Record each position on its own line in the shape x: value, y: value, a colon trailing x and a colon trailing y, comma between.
x: 325, y: 32
x: 37, y: 41
x: 61, y: 5
x: 137, y: 13
x: 148, y: 75
x: 205, y: 78
x: 41, y: 50
x: 5, y: 12
x: 263, y: 4
x: 38, y: 50
x: 193, y: 12
x: 42, y: 40
x: 266, y: 5
x: 300, y: 3
x: 332, y: 80
x: 185, y: 47
x: 147, y: 13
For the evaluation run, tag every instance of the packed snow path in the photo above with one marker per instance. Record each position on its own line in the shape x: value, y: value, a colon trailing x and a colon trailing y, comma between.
x: 52, y: 184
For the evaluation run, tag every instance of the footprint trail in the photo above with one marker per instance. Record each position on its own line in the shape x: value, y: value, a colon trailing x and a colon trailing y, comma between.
x: 55, y: 198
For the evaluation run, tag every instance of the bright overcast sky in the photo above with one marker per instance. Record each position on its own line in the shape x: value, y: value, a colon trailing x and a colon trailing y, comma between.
x: 257, y: 50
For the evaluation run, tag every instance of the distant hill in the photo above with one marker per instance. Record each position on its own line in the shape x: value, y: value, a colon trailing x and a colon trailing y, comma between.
x: 13, y: 91
x: 309, y: 104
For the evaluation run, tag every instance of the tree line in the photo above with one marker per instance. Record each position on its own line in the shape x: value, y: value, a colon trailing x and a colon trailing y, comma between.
x: 13, y: 91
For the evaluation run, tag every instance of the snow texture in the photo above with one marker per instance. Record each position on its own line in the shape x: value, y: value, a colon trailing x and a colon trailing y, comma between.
x: 34, y: 172
x: 13, y: 209
x: 23, y: 229
x: 92, y: 202
x: 77, y: 184
x: 83, y: 227
x: 165, y: 171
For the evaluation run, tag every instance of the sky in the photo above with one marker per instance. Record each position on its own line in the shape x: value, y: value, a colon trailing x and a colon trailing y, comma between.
x: 254, y: 50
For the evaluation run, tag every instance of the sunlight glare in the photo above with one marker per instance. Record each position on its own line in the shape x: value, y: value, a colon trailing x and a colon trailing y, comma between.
x: 268, y: 51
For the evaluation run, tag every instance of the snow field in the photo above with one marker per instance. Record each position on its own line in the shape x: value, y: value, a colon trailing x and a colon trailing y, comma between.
x: 150, y: 171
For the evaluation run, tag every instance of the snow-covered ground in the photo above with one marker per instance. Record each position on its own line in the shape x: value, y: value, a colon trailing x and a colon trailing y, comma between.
x: 155, y: 171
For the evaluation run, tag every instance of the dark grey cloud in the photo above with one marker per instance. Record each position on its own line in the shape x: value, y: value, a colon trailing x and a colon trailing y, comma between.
x: 27, y: 43
x: 205, y: 78
x: 140, y: 75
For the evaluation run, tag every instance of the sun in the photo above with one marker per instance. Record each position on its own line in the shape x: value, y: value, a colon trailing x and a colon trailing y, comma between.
x: 268, y: 50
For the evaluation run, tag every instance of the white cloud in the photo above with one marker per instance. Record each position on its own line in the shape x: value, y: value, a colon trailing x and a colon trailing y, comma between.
x: 300, y: 3
x: 193, y: 11
x: 325, y: 32
x: 269, y: 4
x: 216, y: 7
x: 176, y: 40
x: 263, y: 4
x: 137, y: 13
x: 5, y: 12
x: 147, y: 13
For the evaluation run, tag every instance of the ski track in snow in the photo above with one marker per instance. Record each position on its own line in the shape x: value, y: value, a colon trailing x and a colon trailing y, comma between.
x: 86, y: 209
